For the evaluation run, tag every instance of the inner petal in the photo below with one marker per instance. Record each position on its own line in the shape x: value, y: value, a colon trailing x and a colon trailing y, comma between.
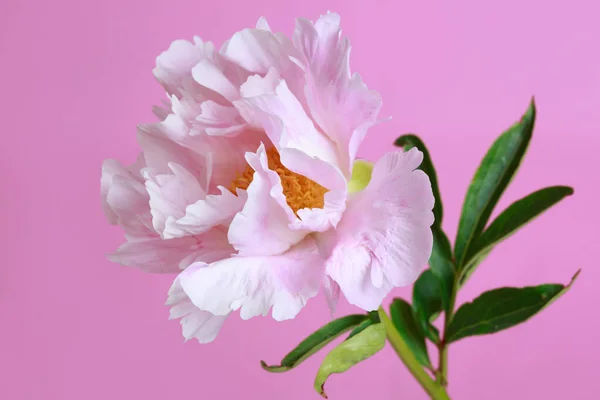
x: 299, y: 191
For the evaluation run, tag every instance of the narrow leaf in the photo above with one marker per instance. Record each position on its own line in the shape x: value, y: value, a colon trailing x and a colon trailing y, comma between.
x: 491, y: 179
x: 472, y: 266
x: 442, y: 265
x: 406, y: 325
x: 502, y: 308
x: 409, y: 141
x: 373, y: 319
x: 316, y: 341
x: 517, y: 215
x: 427, y: 303
x: 349, y: 353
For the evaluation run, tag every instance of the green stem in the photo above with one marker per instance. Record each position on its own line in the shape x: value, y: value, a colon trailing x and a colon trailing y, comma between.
x: 433, y: 389
x: 442, y: 373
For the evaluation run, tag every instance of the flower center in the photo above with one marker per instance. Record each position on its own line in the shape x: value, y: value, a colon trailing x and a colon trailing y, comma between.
x: 299, y: 191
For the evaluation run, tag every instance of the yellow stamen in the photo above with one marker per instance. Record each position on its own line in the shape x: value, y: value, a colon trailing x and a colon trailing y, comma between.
x: 299, y: 191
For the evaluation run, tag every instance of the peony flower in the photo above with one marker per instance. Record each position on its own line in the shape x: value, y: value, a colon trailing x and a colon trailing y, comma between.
x: 250, y: 189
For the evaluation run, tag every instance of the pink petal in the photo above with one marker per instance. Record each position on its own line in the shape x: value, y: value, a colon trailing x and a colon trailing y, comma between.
x: 287, y: 125
x: 195, y: 323
x: 158, y: 255
x: 213, y: 210
x: 332, y: 293
x: 159, y: 142
x: 263, y: 24
x: 326, y: 175
x: 174, y: 66
x: 341, y: 104
x: 209, y: 75
x: 218, y: 120
x: 384, y: 238
x: 125, y: 200
x: 170, y: 194
x: 255, y: 284
x: 262, y: 227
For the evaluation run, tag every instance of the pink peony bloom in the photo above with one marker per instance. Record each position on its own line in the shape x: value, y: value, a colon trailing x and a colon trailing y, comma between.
x: 248, y: 185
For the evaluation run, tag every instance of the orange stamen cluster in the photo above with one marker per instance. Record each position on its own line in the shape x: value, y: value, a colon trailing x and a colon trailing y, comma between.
x: 299, y: 191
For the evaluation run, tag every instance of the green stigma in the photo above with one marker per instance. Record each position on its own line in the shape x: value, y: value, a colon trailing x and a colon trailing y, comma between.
x: 361, y: 176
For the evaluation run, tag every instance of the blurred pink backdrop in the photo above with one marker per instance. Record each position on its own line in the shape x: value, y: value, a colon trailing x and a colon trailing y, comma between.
x: 76, y: 79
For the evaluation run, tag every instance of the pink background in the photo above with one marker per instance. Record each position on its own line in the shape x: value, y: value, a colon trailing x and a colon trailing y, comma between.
x: 76, y: 79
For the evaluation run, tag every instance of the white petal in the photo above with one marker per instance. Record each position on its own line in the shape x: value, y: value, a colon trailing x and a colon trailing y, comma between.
x: 328, y: 176
x: 339, y: 103
x: 195, y: 323
x: 255, y: 284
x: 263, y: 24
x: 174, y: 66
x: 262, y: 227
x: 209, y: 75
x: 288, y: 126
x: 213, y: 210
x: 332, y: 293
x: 170, y: 194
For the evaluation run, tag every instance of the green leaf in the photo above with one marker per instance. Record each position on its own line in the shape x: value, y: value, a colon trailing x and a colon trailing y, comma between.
x: 408, y: 328
x: 349, y: 353
x: 472, y: 266
x: 316, y: 341
x: 442, y: 265
x: 409, y: 141
x: 427, y: 303
x: 502, y: 308
x: 518, y: 214
x: 373, y: 319
x: 491, y: 179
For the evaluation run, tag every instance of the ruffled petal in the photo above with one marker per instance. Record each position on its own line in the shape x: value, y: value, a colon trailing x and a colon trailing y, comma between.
x: 256, y: 284
x: 213, y: 210
x: 157, y: 255
x: 174, y: 66
x: 326, y: 175
x: 219, y: 120
x: 170, y: 194
x: 384, y: 238
x: 160, y: 144
x: 124, y: 198
x: 340, y: 104
x: 195, y: 323
x: 262, y: 227
x: 287, y: 125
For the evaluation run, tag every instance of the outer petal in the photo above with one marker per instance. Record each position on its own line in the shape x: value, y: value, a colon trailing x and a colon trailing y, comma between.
x: 160, y: 144
x: 125, y: 200
x: 259, y: 50
x: 196, y: 323
x: 220, y: 75
x: 157, y: 255
x: 255, y: 284
x: 332, y: 293
x: 262, y: 227
x: 170, y: 195
x: 384, y: 238
x: 340, y: 104
x: 174, y: 66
